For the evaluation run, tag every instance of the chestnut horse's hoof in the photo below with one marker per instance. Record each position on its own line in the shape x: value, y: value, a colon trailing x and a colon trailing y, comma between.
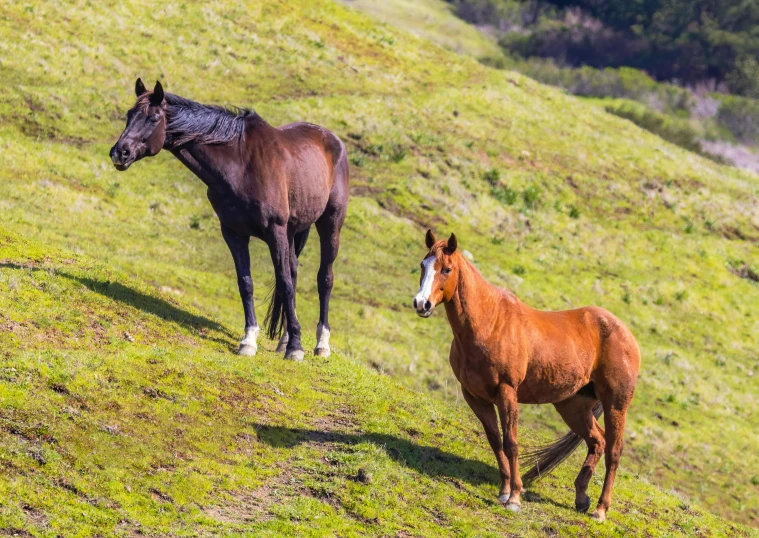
x: 583, y: 506
x: 247, y: 350
x: 295, y: 355
x: 321, y: 352
x: 599, y: 515
x: 504, y: 499
x: 514, y: 507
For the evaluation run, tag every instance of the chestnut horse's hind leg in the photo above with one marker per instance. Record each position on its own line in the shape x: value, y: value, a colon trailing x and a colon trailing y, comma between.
x: 485, y: 411
x: 328, y: 226
x: 577, y: 412
x: 238, y: 246
x: 508, y: 409
x: 614, y: 420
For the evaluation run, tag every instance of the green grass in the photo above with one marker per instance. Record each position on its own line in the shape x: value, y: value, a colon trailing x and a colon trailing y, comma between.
x: 604, y: 213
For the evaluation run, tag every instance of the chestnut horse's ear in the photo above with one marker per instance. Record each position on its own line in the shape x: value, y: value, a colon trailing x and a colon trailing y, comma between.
x: 156, y: 98
x: 139, y: 87
x: 452, y: 244
x: 429, y: 239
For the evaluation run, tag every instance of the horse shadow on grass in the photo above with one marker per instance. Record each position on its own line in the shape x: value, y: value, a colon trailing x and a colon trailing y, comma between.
x: 424, y: 459
x: 141, y: 301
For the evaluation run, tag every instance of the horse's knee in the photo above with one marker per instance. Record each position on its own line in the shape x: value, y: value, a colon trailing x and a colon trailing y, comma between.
x: 325, y: 279
x: 511, y: 449
x: 245, y: 285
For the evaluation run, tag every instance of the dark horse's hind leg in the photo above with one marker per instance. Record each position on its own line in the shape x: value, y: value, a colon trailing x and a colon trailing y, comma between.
x: 279, y: 247
x: 296, y: 248
x: 238, y: 246
x: 328, y: 226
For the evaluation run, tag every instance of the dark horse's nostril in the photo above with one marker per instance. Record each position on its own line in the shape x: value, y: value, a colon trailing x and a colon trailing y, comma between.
x: 427, y: 305
x: 125, y: 152
x: 414, y: 303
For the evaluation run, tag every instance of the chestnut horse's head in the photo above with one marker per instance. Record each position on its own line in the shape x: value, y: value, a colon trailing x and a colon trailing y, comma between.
x: 145, y: 131
x: 439, y: 275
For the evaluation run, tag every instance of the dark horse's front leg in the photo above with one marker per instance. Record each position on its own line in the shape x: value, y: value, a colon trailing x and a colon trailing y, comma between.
x: 238, y: 246
x: 280, y: 246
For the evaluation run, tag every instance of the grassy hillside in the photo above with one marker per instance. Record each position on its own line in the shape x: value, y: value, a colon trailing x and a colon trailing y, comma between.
x: 124, y: 414
x: 560, y: 201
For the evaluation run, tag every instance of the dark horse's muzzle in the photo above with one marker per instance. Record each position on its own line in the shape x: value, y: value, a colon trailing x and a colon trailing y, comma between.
x: 121, y: 156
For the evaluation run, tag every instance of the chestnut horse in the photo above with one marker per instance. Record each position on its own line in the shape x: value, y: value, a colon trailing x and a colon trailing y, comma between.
x: 265, y: 182
x: 505, y: 352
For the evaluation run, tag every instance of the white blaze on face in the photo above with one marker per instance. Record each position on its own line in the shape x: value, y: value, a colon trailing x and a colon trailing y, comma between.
x: 429, y: 276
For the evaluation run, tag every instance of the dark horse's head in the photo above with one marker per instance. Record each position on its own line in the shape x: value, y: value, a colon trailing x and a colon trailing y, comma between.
x: 145, y: 131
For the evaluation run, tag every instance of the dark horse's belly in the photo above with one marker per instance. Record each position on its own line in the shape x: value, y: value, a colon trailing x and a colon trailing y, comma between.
x: 244, y: 218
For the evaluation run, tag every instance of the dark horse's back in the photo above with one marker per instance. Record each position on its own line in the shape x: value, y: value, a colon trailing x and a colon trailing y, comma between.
x: 317, y: 173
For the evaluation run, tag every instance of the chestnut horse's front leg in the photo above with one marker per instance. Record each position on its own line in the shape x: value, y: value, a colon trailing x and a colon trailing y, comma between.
x: 508, y: 409
x: 486, y: 413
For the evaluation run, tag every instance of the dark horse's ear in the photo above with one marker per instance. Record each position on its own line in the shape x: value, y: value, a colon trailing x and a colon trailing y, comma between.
x: 139, y: 87
x: 452, y: 244
x: 156, y: 98
x: 429, y: 239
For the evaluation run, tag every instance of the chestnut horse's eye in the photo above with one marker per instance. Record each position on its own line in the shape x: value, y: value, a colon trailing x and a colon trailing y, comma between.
x: 446, y: 270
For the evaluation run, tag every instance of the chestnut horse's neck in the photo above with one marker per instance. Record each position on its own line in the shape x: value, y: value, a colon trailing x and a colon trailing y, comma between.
x: 472, y: 309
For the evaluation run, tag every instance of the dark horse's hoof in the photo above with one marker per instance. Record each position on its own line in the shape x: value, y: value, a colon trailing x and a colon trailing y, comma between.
x: 295, y: 355
x: 583, y: 506
x: 282, y: 345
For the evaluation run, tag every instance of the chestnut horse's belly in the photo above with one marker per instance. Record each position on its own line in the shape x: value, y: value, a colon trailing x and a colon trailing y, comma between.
x: 554, y: 380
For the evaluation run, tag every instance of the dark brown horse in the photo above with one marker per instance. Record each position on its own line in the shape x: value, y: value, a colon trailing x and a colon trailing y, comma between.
x: 265, y: 182
x: 582, y: 361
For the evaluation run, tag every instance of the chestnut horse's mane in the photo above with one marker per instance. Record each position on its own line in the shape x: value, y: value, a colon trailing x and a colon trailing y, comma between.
x: 190, y: 121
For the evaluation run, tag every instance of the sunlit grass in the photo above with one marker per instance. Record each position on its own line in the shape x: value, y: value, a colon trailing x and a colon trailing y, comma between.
x: 602, y: 213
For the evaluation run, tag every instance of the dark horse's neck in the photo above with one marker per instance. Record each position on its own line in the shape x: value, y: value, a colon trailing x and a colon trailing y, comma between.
x: 472, y: 309
x: 203, y: 136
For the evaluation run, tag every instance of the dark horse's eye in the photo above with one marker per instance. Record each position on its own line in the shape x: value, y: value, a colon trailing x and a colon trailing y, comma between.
x: 446, y: 270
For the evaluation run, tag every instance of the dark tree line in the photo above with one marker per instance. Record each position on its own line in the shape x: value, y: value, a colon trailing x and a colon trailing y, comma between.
x: 690, y: 41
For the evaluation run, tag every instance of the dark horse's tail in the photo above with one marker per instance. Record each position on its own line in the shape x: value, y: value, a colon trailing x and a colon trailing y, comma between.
x: 542, y: 460
x: 275, y: 315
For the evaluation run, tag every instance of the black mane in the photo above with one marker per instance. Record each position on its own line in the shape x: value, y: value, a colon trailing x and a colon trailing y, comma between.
x: 189, y: 121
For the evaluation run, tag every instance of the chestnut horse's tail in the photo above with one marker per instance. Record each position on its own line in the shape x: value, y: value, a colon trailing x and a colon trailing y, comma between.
x: 275, y: 315
x: 542, y: 460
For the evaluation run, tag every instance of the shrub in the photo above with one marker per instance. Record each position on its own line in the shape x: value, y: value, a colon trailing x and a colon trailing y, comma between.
x: 492, y: 176
x: 504, y: 194
x: 530, y: 197
x: 743, y: 79
x: 397, y: 153
x: 671, y: 129
x: 740, y: 116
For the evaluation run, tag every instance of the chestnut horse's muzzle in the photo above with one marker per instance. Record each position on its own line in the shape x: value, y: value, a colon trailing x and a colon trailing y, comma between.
x: 423, y: 307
